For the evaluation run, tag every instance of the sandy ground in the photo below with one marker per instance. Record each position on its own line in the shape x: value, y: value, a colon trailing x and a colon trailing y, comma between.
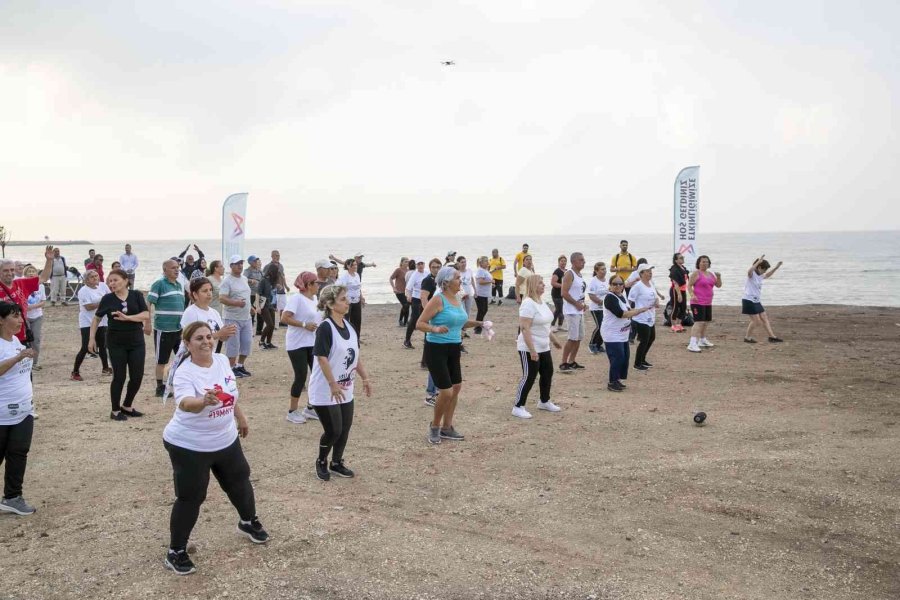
x: 791, y: 491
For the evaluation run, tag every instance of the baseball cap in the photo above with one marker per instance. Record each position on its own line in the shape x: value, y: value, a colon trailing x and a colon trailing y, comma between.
x: 644, y: 267
x: 451, y: 253
x: 419, y: 259
x: 235, y: 258
x: 323, y: 263
x: 358, y: 255
x: 252, y: 258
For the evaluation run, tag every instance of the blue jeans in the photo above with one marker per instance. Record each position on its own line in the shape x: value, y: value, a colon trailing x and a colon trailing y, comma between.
x: 430, y: 389
x: 619, y: 354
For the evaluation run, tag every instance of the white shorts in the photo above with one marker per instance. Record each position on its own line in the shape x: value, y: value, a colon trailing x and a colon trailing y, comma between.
x: 576, y: 327
x: 280, y: 301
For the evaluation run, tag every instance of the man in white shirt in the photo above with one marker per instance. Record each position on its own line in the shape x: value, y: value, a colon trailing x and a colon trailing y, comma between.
x: 129, y: 264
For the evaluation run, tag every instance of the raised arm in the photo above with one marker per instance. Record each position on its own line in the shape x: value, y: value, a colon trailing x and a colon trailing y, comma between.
x: 754, y: 265
x: 48, y: 264
x: 771, y: 271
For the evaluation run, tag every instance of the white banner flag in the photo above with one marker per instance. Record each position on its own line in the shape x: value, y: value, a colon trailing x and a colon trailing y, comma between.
x: 687, y: 214
x: 234, y: 226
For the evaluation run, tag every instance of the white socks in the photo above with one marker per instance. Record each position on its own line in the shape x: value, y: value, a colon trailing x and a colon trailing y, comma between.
x: 693, y: 341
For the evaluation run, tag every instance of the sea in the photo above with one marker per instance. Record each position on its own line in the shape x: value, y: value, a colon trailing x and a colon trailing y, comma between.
x: 860, y: 268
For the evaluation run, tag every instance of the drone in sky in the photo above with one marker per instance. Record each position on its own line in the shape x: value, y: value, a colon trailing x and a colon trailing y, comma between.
x: 448, y: 63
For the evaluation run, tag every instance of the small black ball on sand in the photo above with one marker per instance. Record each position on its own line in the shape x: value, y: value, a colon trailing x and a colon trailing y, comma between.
x: 700, y: 419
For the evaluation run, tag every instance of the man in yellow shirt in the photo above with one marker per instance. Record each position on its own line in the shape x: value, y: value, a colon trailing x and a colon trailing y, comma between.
x: 623, y: 263
x: 520, y: 257
x: 496, y: 266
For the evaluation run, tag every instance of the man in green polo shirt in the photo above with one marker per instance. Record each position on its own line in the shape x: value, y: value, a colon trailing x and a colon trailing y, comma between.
x: 166, y: 301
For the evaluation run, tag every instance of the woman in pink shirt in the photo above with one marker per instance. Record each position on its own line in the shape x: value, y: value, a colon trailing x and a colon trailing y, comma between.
x: 700, y: 289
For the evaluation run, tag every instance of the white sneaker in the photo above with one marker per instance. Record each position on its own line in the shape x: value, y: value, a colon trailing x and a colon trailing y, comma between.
x: 548, y: 405
x: 295, y: 417
x: 519, y: 411
x: 694, y: 348
x: 705, y: 343
x: 309, y: 413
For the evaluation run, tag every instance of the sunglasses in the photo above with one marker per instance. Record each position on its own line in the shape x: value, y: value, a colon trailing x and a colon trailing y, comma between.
x: 620, y: 283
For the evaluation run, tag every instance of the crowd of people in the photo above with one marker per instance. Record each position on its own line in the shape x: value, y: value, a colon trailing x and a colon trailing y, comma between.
x: 202, y: 318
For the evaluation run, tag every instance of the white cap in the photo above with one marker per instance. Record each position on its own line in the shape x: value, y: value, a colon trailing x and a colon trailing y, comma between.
x: 644, y: 267
x: 323, y: 263
x: 235, y: 258
x: 419, y: 259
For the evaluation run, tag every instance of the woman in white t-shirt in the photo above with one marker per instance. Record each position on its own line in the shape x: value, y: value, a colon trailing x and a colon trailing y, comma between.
x: 484, y: 283
x: 597, y: 289
x: 331, y: 383
x: 35, y: 317
x: 643, y: 295
x: 16, y: 420
x: 525, y: 271
x: 302, y: 317
x: 201, y: 293
x: 751, y: 302
x: 533, y: 345
x: 202, y: 437
x: 350, y: 280
x: 89, y: 296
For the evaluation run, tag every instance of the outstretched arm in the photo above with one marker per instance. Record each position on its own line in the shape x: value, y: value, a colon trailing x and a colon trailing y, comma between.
x: 771, y: 271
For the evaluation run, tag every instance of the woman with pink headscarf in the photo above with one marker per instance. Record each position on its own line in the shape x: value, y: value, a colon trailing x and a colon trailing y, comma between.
x: 302, y: 317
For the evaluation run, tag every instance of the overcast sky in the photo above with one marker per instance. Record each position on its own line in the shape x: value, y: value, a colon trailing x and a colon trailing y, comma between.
x: 136, y: 120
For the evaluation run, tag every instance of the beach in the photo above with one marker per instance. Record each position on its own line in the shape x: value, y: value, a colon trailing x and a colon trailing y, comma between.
x: 790, y: 491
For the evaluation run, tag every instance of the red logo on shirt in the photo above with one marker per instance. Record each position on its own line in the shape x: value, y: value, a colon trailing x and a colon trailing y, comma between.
x: 224, y: 397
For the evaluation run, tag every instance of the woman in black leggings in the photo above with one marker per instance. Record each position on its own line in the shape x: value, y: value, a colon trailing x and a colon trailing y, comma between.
x: 88, y: 300
x: 331, y: 384
x: 127, y: 312
x: 202, y: 437
x: 302, y: 318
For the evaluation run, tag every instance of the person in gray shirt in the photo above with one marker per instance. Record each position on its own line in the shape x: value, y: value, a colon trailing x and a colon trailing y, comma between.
x: 234, y: 294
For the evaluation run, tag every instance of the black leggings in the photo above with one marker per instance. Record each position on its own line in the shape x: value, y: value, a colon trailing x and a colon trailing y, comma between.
x: 404, y: 308
x: 15, y: 442
x: 497, y: 289
x: 678, y: 308
x: 597, y: 337
x: 100, y: 338
x: 267, y: 317
x: 646, y: 335
x: 557, y: 311
x: 481, y: 308
x: 301, y: 361
x: 126, y: 360
x: 355, y: 317
x: 530, y: 370
x: 411, y: 324
x: 191, y: 474
x: 336, y: 420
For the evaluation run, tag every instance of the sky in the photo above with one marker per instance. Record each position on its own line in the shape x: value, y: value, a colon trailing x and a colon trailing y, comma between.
x: 136, y: 120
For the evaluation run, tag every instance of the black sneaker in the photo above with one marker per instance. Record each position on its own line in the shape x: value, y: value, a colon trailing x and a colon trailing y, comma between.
x: 179, y: 562
x: 775, y: 340
x: 575, y: 365
x: 237, y: 372
x: 254, y: 531
x: 614, y: 387
x: 462, y: 348
x: 431, y: 400
x: 621, y: 385
x: 641, y: 368
x: 118, y: 417
x: 408, y: 345
x: 340, y: 470
x: 282, y: 325
x: 271, y: 346
x: 499, y: 302
x: 132, y: 413
x: 244, y: 371
x: 160, y: 390
x: 322, y: 470
x: 565, y: 368
x: 646, y: 364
